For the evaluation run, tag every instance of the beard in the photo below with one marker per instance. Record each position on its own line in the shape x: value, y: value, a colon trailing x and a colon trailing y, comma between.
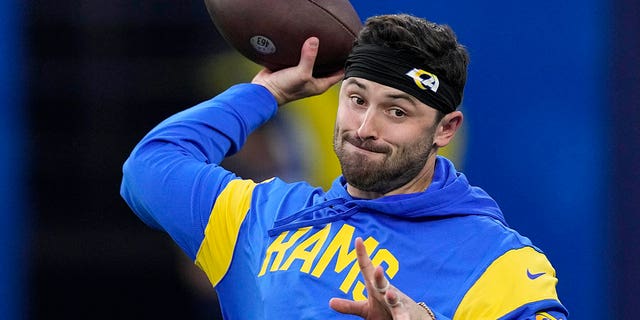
x: 373, y: 174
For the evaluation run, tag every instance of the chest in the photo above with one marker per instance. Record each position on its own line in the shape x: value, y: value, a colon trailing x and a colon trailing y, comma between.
x: 302, y: 269
x: 324, y: 258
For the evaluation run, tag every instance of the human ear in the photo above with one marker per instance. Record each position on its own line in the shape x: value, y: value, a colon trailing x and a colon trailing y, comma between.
x: 447, y: 128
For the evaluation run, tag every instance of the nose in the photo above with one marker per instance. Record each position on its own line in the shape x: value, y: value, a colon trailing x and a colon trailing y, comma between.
x: 369, y: 126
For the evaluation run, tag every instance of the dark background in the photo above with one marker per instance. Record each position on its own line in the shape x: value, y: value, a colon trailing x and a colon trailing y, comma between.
x: 101, y: 74
x: 95, y: 76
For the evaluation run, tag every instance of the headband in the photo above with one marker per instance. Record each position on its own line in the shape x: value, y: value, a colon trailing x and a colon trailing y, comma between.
x: 403, y: 71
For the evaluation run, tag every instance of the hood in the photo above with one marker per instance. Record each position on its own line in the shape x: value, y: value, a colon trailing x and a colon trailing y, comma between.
x: 449, y: 194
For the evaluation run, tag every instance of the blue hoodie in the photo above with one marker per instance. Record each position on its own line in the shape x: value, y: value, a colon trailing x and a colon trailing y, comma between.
x: 277, y: 250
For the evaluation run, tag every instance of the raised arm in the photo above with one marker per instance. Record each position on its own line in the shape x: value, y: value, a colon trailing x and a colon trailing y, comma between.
x: 172, y: 177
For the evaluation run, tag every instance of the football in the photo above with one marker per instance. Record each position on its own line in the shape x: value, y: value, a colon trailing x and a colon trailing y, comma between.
x: 271, y: 32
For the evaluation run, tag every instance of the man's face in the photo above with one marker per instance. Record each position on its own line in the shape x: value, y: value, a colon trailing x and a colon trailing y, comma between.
x: 383, y: 136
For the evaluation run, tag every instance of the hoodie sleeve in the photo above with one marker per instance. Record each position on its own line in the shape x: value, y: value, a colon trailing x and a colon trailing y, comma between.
x: 518, y: 285
x: 172, y: 178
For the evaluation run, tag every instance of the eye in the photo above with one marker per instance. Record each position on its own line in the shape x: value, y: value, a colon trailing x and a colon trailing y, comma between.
x: 357, y: 100
x: 398, y: 113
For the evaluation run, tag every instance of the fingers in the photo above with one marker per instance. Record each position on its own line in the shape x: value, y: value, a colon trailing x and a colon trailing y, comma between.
x: 384, y: 300
x: 326, y: 82
x: 297, y: 82
x: 397, y: 305
x: 380, y: 282
x: 366, y: 267
x: 383, y: 286
x: 345, y: 306
x: 308, y: 55
x: 373, y: 276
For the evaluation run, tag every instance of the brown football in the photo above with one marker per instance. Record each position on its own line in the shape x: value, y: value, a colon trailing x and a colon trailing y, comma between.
x: 271, y: 32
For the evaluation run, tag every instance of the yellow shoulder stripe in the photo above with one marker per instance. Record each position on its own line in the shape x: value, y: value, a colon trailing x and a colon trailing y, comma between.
x: 518, y: 277
x: 545, y: 316
x: 221, y: 233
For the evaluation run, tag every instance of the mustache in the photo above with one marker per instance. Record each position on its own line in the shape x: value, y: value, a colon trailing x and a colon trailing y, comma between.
x: 367, y: 144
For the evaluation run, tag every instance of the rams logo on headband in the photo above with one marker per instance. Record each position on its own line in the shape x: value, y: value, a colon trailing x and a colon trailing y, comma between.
x: 424, y: 79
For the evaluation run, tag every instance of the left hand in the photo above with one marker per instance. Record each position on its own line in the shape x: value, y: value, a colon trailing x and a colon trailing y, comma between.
x: 384, y: 300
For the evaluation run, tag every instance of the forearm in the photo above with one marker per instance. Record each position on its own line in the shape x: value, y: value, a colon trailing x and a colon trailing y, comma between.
x: 215, y: 128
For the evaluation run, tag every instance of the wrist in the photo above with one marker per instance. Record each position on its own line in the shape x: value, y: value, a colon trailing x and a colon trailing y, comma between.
x: 431, y: 315
x: 273, y: 89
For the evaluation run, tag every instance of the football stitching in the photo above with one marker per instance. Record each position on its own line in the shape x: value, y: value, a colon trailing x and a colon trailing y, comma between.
x: 344, y: 26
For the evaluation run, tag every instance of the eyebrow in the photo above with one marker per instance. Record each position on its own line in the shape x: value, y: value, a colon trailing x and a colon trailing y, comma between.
x: 353, y: 81
x: 402, y: 95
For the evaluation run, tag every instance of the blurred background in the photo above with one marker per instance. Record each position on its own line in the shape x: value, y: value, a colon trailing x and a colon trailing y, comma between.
x: 551, y: 131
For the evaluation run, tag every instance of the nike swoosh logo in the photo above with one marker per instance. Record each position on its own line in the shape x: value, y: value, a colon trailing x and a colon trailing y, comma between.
x: 534, y: 276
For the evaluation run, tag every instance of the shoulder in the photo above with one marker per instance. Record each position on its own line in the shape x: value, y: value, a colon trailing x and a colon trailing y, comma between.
x: 520, y: 280
x: 513, y: 275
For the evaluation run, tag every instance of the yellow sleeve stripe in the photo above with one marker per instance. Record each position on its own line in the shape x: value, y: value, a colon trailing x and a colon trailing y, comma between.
x: 220, y: 235
x: 518, y: 277
x: 544, y: 316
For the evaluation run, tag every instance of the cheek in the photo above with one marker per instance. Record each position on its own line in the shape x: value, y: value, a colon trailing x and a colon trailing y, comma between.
x: 345, y: 119
x: 406, y: 135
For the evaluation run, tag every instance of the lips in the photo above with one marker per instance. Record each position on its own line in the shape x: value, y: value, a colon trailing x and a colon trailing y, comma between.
x: 367, y: 145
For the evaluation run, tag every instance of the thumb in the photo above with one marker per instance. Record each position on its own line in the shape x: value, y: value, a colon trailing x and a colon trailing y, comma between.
x: 308, y: 54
